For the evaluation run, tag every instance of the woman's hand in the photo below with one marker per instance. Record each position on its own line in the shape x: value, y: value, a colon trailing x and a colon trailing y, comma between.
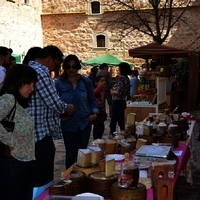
x: 92, y: 117
x: 65, y: 118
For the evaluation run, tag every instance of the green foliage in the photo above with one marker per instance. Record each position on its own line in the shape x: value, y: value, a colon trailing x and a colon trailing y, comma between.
x: 180, y: 70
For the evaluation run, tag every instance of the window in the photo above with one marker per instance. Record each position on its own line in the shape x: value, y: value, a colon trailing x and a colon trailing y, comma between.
x: 13, y: 1
x: 26, y: 2
x: 95, y: 7
x: 101, y: 41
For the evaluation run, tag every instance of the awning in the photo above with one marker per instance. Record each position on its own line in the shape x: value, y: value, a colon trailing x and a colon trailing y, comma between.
x: 106, y: 58
x: 155, y: 49
x: 18, y: 57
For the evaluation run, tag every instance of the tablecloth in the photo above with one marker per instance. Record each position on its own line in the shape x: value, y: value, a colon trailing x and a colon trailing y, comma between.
x: 183, y: 160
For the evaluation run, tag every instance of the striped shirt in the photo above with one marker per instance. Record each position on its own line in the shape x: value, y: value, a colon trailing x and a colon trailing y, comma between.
x: 45, y: 106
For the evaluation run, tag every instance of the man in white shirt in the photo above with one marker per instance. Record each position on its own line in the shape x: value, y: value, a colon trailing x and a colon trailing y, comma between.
x: 5, y: 61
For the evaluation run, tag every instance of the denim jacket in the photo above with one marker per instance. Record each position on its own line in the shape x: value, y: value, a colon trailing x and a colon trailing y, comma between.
x: 83, y: 100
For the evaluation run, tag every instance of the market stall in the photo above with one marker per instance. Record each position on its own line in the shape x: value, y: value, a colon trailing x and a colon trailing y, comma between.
x: 151, y: 102
x: 182, y: 151
x: 163, y: 53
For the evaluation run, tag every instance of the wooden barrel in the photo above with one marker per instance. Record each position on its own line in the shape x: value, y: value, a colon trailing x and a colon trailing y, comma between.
x: 139, y: 193
x: 78, y: 179
x: 99, y: 184
x: 61, y: 190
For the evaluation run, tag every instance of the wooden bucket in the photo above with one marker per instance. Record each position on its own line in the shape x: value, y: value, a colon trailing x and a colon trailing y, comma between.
x: 78, y: 179
x: 99, y: 184
x: 139, y: 193
x: 61, y: 190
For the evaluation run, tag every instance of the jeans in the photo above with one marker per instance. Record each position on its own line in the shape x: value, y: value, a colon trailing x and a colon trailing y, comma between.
x: 15, y: 179
x: 98, y: 130
x: 118, y: 115
x: 74, y: 141
x: 43, y: 166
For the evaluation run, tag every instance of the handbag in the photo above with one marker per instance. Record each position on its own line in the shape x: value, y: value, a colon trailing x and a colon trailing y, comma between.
x: 9, y: 125
x: 101, y: 116
x: 8, y: 122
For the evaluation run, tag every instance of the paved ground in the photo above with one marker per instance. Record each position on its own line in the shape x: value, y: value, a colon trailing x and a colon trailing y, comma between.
x: 182, y: 191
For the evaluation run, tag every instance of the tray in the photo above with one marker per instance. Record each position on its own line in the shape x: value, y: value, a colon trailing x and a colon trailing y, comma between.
x: 153, y: 151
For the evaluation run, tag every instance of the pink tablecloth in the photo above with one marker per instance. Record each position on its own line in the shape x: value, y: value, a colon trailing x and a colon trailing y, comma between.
x: 183, y: 159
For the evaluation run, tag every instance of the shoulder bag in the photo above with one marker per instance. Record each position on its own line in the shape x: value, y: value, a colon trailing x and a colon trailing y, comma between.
x: 9, y: 124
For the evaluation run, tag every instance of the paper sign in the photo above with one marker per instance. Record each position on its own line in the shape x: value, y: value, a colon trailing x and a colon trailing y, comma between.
x: 178, y: 153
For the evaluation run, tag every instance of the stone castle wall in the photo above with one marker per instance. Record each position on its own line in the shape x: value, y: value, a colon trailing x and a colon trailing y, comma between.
x: 74, y: 32
x: 20, y: 25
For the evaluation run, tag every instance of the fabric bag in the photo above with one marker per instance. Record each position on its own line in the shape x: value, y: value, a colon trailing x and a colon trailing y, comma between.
x: 9, y: 125
x: 101, y: 116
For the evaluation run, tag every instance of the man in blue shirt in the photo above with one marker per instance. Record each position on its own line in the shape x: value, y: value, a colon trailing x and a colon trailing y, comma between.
x: 134, y: 83
x: 92, y: 75
x: 45, y: 108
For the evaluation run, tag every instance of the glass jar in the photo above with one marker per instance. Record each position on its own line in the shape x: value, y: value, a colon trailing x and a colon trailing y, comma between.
x: 129, y: 175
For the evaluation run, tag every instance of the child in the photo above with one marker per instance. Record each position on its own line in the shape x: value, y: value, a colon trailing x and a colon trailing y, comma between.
x: 99, y: 93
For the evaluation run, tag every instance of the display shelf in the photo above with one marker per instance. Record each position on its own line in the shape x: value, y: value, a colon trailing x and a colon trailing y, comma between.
x: 143, y: 110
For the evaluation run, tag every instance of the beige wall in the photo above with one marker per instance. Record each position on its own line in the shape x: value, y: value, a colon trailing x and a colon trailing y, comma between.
x: 75, y: 33
x: 20, y: 25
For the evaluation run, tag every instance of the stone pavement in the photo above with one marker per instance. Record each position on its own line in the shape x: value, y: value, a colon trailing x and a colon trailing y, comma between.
x: 182, y: 191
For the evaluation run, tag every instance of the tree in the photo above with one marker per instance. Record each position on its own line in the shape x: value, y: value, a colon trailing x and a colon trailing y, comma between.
x: 151, y: 17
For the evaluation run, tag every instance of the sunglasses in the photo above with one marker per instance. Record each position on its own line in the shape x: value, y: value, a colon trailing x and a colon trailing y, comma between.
x: 71, y: 67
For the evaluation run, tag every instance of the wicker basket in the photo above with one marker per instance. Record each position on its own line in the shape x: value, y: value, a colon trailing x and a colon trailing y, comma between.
x: 78, y: 179
x: 62, y: 190
x: 101, y: 186
x: 139, y: 193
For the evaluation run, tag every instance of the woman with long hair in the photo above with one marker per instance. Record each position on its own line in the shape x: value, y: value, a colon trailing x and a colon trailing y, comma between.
x: 17, y: 145
x: 120, y: 92
x: 73, y: 88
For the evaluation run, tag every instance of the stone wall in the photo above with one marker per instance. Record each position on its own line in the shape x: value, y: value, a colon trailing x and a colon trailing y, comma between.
x: 67, y: 24
x: 75, y: 33
x: 20, y: 25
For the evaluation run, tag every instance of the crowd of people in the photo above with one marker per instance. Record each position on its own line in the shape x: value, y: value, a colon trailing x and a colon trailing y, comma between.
x: 49, y: 105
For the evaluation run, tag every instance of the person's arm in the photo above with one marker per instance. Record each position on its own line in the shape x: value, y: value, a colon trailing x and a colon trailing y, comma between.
x: 2, y: 76
x: 48, y: 95
x: 131, y: 87
x: 93, y: 102
x: 6, y: 103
